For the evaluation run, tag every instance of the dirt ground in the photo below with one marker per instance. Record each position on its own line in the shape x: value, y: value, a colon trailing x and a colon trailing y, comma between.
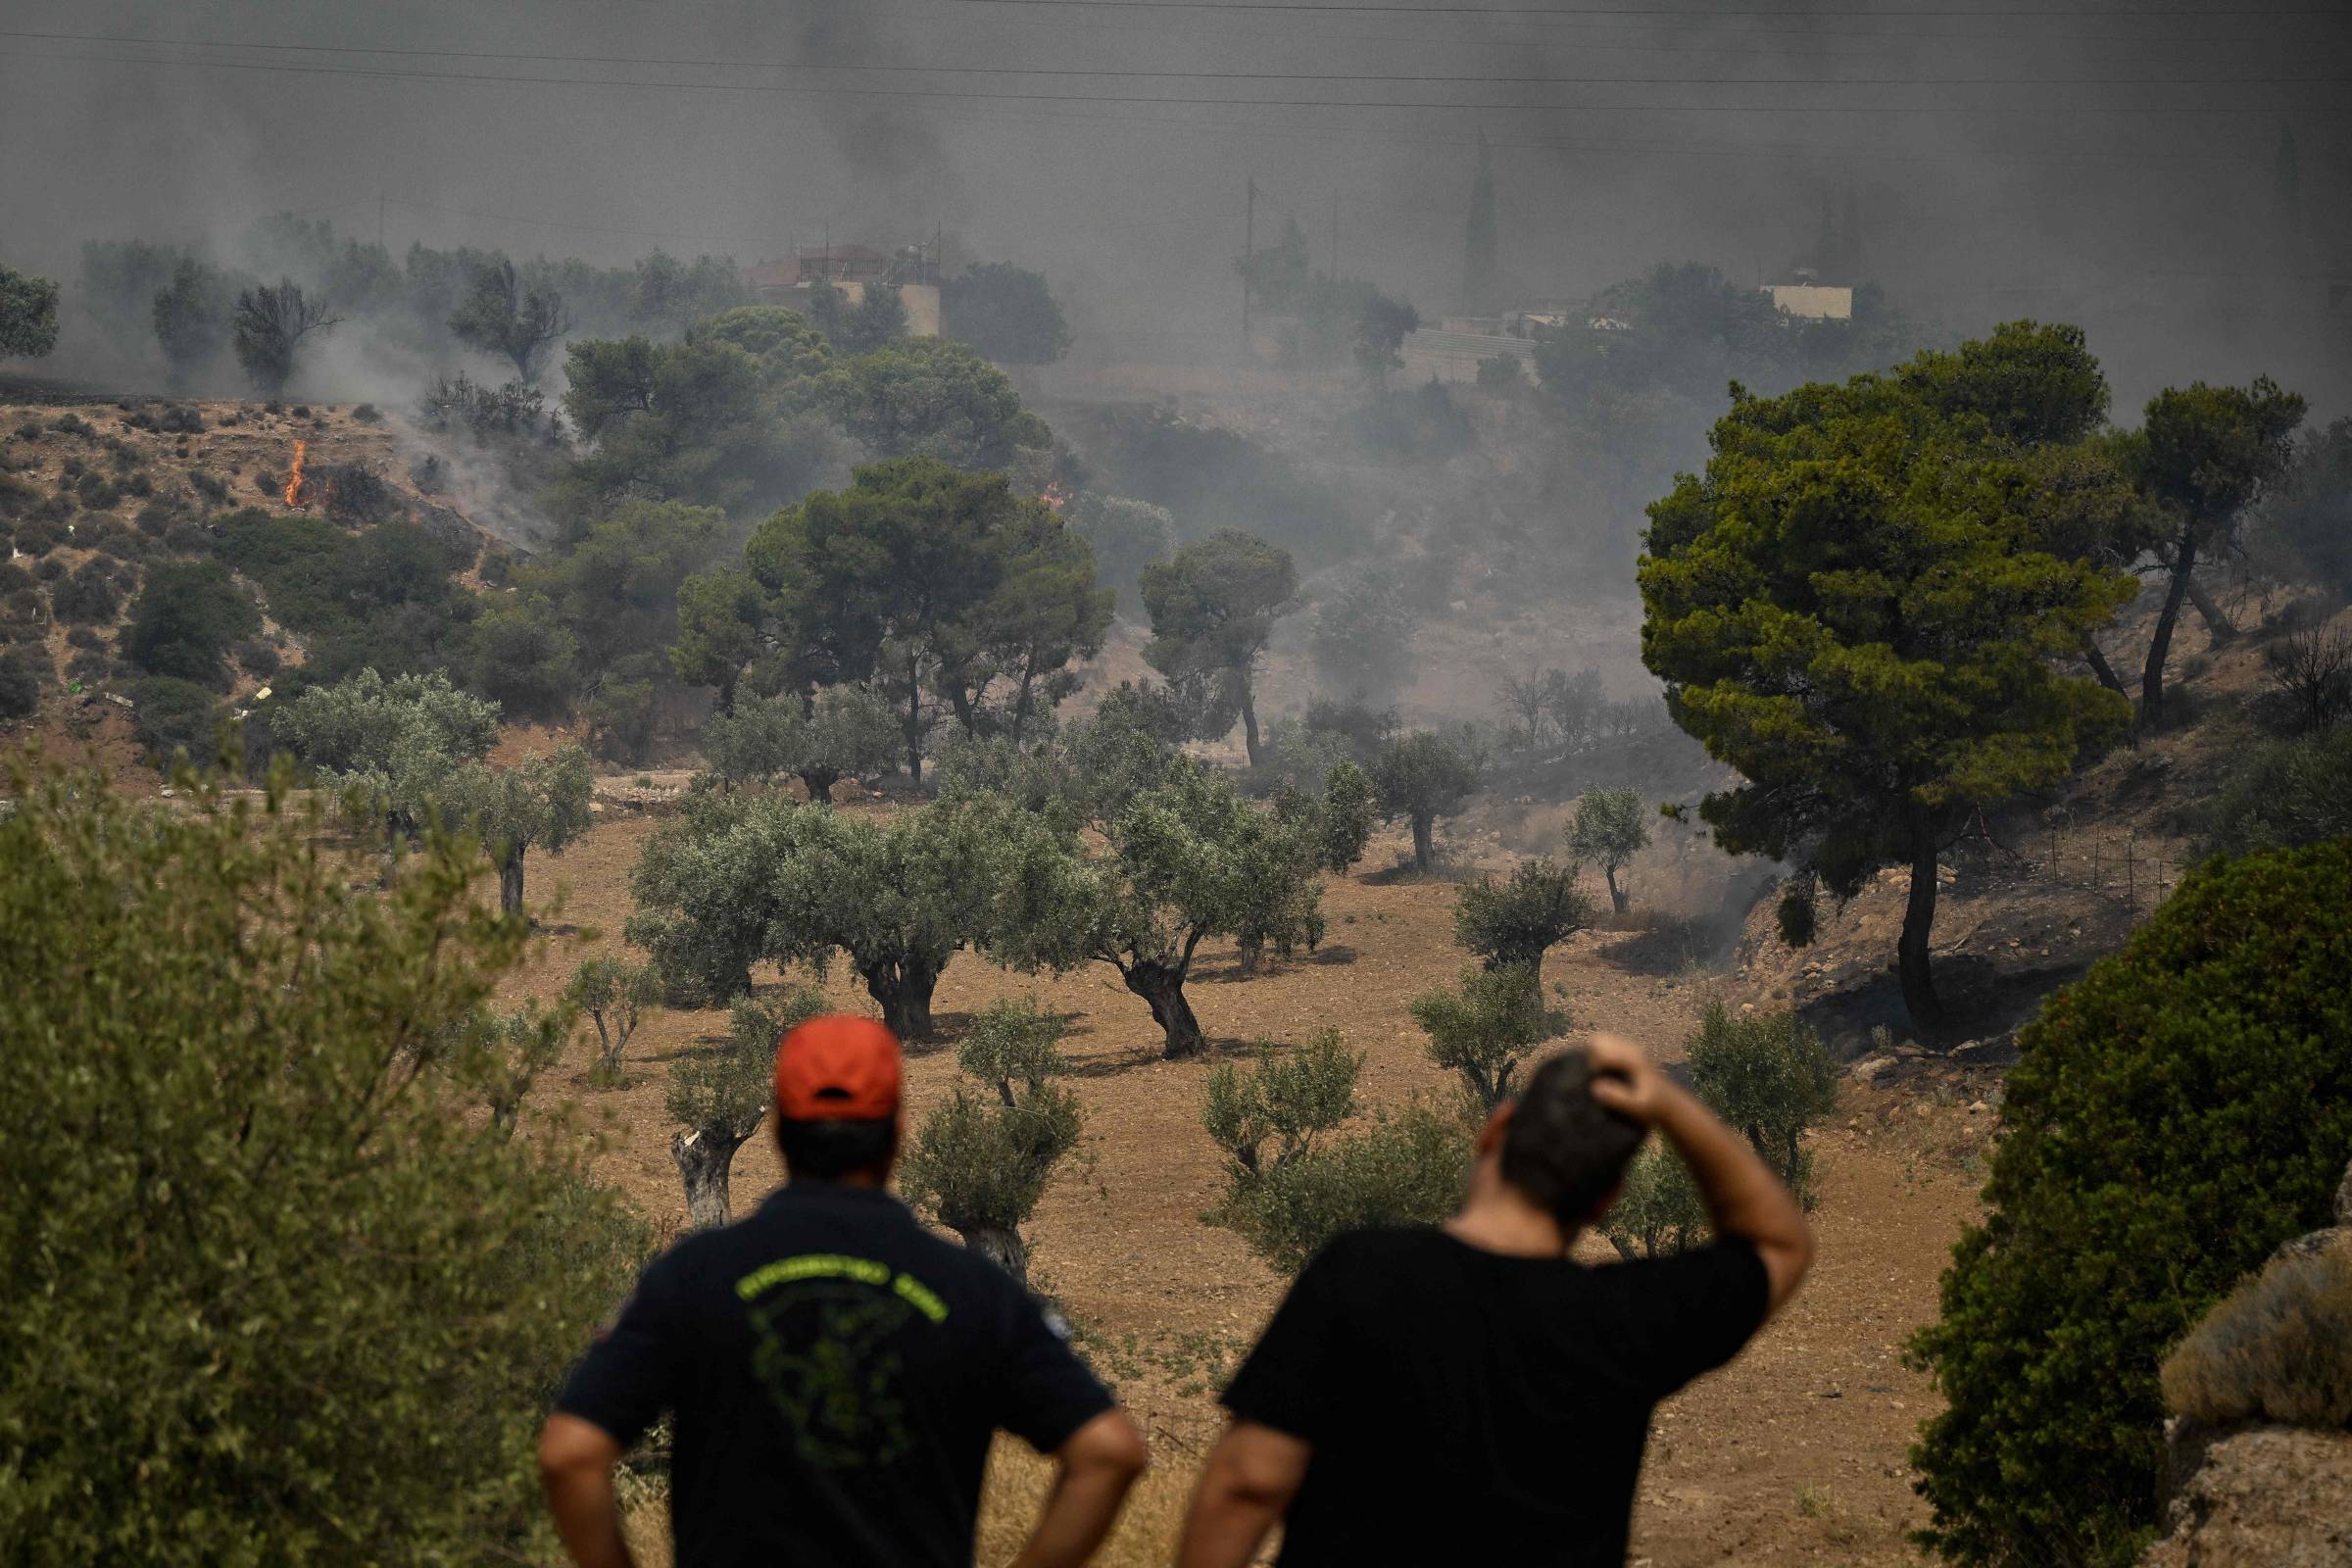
x: 1795, y: 1453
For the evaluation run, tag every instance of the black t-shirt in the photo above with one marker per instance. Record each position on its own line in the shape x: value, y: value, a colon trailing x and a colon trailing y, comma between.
x: 1468, y: 1407
x: 834, y: 1373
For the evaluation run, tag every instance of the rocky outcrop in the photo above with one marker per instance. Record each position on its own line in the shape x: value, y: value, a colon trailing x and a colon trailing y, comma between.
x: 2262, y: 1497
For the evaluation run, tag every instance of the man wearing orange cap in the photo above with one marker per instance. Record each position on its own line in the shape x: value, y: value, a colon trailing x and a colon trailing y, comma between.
x: 834, y: 1372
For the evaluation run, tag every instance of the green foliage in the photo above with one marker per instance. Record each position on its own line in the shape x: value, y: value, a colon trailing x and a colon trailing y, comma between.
x: 1484, y: 1031
x: 1854, y: 607
x: 1005, y: 313
x: 2277, y: 1348
x: 2304, y: 518
x: 238, y: 1119
x: 929, y: 581
x: 2282, y: 795
x: 1423, y: 776
x: 1423, y: 425
x: 190, y: 315
x: 1214, y: 609
x: 381, y: 598
x: 1658, y: 1212
x: 175, y: 718
x: 1210, y: 478
x: 2179, y: 1111
x: 933, y: 398
x: 708, y: 422
x: 1181, y: 860
x: 86, y: 596
x: 187, y: 617
x: 1127, y: 536
x: 1363, y: 641
x: 1769, y: 1077
x: 1408, y: 1168
x: 979, y: 1162
x: 702, y: 894
x: 615, y: 589
x: 389, y: 745
x: 20, y: 684
x: 614, y: 994
x: 1612, y: 827
x: 542, y: 802
x: 847, y: 732
x: 1514, y: 923
x: 877, y: 320
x: 524, y: 658
x: 27, y: 315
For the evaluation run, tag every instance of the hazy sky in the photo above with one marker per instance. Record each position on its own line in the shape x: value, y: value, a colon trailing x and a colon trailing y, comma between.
x: 2110, y: 164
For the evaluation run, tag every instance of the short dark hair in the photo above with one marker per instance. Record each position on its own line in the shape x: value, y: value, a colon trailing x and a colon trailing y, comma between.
x: 827, y: 1150
x: 1564, y: 1148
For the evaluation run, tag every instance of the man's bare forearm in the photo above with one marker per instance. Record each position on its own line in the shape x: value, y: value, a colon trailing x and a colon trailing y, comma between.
x: 1742, y: 1194
x: 587, y: 1515
x: 1094, y: 1469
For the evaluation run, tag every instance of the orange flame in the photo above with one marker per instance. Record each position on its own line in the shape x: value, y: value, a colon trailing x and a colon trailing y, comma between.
x: 294, y: 479
x: 1054, y: 495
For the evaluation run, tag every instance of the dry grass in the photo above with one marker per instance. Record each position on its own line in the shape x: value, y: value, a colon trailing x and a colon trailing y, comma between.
x: 2278, y: 1348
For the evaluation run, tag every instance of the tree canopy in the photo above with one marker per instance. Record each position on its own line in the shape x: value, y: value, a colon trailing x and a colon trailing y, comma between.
x: 934, y: 398
x: 1212, y: 610
x: 244, y: 1100
x: 1855, y: 607
x: 27, y: 315
x: 1422, y: 776
x: 1007, y: 313
x: 1612, y: 827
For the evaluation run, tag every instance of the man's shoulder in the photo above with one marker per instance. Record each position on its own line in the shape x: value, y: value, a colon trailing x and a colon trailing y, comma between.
x: 1379, y: 1249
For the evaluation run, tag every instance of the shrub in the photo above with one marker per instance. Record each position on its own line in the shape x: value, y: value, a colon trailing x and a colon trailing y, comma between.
x: 1363, y: 641
x: 20, y: 684
x: 173, y: 719
x: 86, y: 597
x: 2179, y: 1111
x: 1483, y: 1032
x: 214, y: 1310
x: 1770, y: 1078
x: 2277, y: 1348
x: 2311, y: 677
x: 1290, y: 1186
x: 185, y: 620
x: 1419, y: 424
x: 614, y: 996
x: 2282, y: 794
x: 980, y: 1163
x: 1514, y: 922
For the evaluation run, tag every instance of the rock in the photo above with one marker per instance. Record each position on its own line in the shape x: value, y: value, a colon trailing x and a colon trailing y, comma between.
x: 2263, y: 1497
x: 1978, y: 1107
x: 1985, y: 1052
x: 1871, y: 1068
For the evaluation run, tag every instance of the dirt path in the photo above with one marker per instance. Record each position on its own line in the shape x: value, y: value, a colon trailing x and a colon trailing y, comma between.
x: 1793, y: 1455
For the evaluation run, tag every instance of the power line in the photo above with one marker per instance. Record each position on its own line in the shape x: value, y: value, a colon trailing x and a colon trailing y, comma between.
x: 1360, y: 7
x: 947, y: 94
x: 1124, y: 72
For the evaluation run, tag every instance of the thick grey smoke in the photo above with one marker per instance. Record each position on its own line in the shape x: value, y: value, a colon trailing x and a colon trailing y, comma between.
x: 2123, y: 170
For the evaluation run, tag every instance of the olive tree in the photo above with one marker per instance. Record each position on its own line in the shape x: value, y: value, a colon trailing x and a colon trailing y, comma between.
x: 845, y: 732
x: 898, y: 898
x: 541, y: 803
x: 703, y: 891
x: 614, y: 994
x: 258, y: 1228
x: 1181, y: 861
x: 388, y: 744
x: 27, y: 315
x: 500, y: 315
x: 1293, y: 1181
x: 1423, y: 776
x: 1482, y: 1030
x: 980, y: 1161
x: 719, y: 1094
x: 1512, y: 924
x: 1609, y: 830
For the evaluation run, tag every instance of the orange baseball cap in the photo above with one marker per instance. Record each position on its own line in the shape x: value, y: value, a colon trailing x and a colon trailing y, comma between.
x: 837, y: 1068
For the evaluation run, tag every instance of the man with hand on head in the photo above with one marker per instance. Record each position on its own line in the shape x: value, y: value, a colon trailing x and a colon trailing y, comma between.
x: 833, y: 1371
x: 1469, y: 1394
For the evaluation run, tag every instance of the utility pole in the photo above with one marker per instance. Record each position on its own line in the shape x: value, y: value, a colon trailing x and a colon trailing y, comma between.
x: 1249, y: 251
x: 1335, y: 236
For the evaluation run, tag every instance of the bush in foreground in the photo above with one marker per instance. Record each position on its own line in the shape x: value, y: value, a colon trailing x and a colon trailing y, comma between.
x: 2180, y: 1110
x: 2280, y: 1349
x: 241, y: 1108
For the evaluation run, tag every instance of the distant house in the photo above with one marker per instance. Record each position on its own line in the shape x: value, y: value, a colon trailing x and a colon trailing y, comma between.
x: 912, y: 269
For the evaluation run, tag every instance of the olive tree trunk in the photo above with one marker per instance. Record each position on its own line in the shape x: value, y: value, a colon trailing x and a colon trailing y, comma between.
x: 819, y: 782
x: 1162, y: 986
x: 1249, y: 953
x: 1619, y: 896
x: 1249, y: 721
x: 1919, y: 921
x: 1000, y: 1245
x: 705, y: 1155
x: 510, y: 882
x: 903, y: 989
x: 1424, y: 823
